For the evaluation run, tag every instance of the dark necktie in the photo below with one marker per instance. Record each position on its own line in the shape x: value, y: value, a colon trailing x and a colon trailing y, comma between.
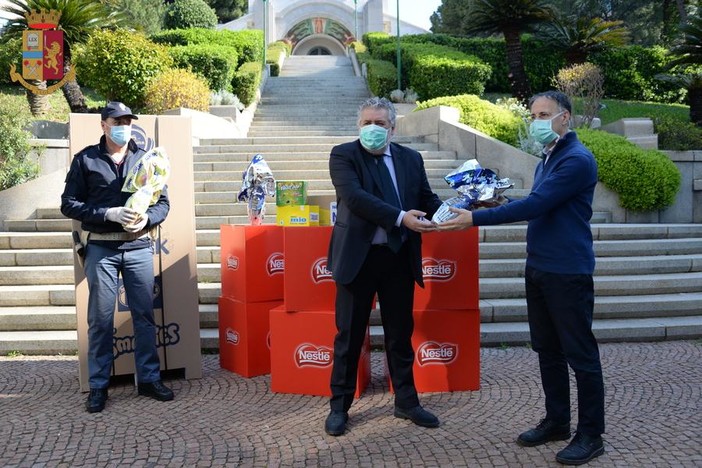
x: 390, y: 196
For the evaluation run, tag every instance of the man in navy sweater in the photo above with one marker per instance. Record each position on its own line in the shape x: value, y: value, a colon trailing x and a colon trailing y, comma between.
x: 559, y: 287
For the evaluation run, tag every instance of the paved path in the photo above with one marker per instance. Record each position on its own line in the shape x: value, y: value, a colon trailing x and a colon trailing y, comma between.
x: 654, y: 416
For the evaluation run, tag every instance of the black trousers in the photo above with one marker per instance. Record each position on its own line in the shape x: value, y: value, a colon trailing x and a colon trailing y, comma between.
x: 560, y: 309
x: 389, y: 275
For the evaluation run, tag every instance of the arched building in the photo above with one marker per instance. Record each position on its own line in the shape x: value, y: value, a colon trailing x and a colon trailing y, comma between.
x: 320, y: 27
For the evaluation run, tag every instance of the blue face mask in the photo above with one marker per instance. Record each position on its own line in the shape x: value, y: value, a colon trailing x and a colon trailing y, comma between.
x: 373, y: 137
x: 542, y: 130
x: 120, y: 134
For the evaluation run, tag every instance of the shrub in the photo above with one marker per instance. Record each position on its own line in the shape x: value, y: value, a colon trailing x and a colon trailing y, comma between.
x: 434, y: 71
x: 274, y: 51
x: 630, y: 74
x: 374, y: 40
x: 177, y: 88
x: 358, y: 47
x: 246, y: 82
x: 677, y: 135
x: 225, y: 98
x: 248, y: 43
x: 484, y: 116
x: 216, y: 64
x: 10, y: 54
x: 381, y: 75
x: 645, y: 180
x: 15, y: 165
x: 183, y: 14
x: 120, y: 64
x: 582, y: 83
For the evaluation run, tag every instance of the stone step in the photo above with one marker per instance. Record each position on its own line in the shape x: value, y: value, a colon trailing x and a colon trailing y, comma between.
x: 622, y: 285
x: 431, y: 156
x: 295, y: 148
x: 606, y: 307
x: 202, y: 168
x: 304, y: 132
x: 491, y: 334
x: 609, y: 239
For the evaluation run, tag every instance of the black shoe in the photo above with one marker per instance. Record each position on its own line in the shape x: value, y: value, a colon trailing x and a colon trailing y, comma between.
x: 581, y: 449
x: 417, y: 415
x: 156, y: 390
x: 546, y: 431
x: 335, y: 425
x: 96, y: 400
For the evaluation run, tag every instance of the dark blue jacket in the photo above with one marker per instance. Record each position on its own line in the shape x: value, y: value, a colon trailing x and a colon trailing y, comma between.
x: 559, y: 208
x: 94, y: 184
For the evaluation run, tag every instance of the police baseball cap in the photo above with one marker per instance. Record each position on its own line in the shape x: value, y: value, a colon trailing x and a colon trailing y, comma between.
x: 116, y: 110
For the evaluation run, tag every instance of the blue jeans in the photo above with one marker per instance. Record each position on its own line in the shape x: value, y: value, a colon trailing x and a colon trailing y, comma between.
x: 103, y: 266
x: 560, y: 309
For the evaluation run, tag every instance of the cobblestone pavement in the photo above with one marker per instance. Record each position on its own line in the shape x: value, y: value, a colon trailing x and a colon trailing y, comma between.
x: 654, y: 417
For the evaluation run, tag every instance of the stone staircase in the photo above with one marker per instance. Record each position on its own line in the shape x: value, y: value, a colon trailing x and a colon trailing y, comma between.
x: 648, y: 279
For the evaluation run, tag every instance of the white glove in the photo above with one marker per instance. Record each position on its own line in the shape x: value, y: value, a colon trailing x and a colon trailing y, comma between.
x: 138, y: 226
x: 121, y: 215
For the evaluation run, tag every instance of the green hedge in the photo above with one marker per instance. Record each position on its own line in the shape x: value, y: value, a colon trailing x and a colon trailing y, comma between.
x: 189, y: 14
x: 120, y: 64
x: 630, y: 74
x: 645, y: 180
x: 381, y: 75
x: 273, y: 53
x: 15, y: 165
x: 215, y: 63
x: 432, y: 70
x: 248, y: 43
x: 10, y: 54
x: 246, y: 81
x: 629, y: 71
x: 484, y: 116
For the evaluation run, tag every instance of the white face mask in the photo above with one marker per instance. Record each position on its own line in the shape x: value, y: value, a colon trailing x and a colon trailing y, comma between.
x: 120, y: 134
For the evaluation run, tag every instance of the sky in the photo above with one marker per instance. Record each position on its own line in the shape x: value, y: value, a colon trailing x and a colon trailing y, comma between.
x: 415, y: 11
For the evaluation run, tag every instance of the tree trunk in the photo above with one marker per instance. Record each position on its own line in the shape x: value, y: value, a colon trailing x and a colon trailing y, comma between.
x: 71, y: 90
x: 38, y: 103
x: 681, y: 11
x: 694, y: 99
x: 517, y: 76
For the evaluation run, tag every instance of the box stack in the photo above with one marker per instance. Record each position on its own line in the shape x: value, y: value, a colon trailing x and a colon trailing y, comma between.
x: 303, y: 329
x: 295, y: 208
x: 252, y: 267
x: 446, y: 337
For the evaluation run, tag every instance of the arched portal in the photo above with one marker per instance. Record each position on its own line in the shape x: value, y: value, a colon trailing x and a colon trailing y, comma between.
x: 318, y: 34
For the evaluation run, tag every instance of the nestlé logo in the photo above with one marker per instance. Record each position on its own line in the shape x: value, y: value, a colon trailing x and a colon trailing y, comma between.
x: 232, y: 336
x: 309, y: 355
x: 232, y: 262
x: 319, y: 272
x: 431, y: 352
x: 275, y: 264
x: 438, y: 270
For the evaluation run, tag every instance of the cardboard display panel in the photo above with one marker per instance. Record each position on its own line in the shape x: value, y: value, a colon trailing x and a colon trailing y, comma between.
x: 252, y: 262
x: 176, y: 307
x: 302, y: 353
x: 446, y: 350
x: 308, y: 284
x: 244, y: 336
x: 450, y: 269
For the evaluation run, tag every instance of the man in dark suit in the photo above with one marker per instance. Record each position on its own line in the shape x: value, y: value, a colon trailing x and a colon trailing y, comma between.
x: 383, y: 197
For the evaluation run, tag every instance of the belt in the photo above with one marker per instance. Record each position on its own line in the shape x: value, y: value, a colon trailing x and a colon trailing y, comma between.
x: 118, y: 236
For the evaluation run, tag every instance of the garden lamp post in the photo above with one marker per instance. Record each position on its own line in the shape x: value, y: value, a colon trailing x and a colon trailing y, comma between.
x: 399, y: 59
x: 265, y: 30
x: 355, y: 19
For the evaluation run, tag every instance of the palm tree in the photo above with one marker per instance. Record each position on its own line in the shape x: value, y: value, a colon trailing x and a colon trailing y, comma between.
x: 689, y: 52
x: 579, y: 37
x: 510, y: 18
x: 78, y: 19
